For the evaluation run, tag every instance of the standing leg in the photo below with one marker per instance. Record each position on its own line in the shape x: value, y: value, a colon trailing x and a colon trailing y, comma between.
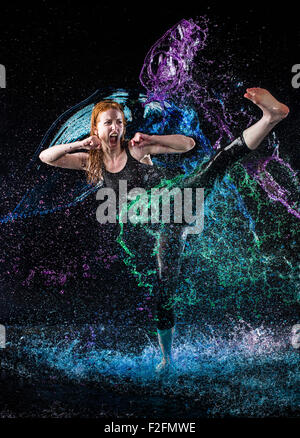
x: 171, y: 246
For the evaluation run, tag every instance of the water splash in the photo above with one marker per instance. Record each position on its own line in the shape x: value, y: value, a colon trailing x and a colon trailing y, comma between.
x: 228, y: 372
x: 243, y: 261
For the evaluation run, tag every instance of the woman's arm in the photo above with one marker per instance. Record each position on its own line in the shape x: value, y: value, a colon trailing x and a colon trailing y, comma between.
x: 144, y: 144
x: 62, y: 155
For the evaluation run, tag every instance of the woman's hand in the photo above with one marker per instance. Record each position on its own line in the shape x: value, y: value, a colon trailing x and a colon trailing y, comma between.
x: 141, y: 140
x: 90, y: 143
x: 161, y: 144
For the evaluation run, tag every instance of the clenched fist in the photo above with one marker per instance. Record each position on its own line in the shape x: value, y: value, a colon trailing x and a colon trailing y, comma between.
x: 141, y: 140
x: 90, y: 143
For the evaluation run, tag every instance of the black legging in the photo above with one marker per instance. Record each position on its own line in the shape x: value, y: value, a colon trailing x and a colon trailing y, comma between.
x: 172, y: 239
x: 171, y: 246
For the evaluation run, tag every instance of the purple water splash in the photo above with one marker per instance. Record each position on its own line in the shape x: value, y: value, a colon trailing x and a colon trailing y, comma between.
x: 168, y: 73
x: 274, y: 190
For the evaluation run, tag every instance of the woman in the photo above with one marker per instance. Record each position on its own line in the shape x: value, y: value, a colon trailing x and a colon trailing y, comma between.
x: 110, y: 159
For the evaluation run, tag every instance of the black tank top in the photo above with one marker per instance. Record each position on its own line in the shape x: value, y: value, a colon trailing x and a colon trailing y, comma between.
x: 136, y: 174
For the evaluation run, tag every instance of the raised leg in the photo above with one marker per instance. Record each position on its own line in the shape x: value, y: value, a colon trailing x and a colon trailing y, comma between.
x: 273, y: 112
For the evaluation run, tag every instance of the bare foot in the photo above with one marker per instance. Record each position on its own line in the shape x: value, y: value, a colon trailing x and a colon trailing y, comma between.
x: 273, y: 110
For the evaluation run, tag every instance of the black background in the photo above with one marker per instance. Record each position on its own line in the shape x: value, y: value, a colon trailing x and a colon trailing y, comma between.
x: 57, y: 54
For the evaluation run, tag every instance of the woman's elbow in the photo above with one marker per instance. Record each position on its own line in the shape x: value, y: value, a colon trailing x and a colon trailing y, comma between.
x: 42, y: 157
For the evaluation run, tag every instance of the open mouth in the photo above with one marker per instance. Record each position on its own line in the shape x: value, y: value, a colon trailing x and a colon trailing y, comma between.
x: 113, y: 138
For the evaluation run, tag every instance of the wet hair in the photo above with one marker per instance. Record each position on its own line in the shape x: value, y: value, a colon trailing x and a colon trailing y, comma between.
x: 94, y: 167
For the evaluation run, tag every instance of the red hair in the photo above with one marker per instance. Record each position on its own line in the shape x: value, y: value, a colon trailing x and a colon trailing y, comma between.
x: 95, y: 160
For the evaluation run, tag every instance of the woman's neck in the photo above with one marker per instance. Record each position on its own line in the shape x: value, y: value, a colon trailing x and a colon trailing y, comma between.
x: 113, y: 156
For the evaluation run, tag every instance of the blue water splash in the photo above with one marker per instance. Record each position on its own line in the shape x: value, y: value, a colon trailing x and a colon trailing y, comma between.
x: 232, y: 368
x: 244, y: 258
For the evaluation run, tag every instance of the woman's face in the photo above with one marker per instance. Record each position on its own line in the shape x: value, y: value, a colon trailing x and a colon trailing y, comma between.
x: 110, y: 128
